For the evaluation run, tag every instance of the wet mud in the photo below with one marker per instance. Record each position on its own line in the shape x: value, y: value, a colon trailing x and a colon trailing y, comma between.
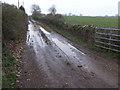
x: 64, y: 65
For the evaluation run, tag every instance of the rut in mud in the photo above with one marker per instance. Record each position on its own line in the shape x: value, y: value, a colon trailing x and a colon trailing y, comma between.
x: 59, y: 64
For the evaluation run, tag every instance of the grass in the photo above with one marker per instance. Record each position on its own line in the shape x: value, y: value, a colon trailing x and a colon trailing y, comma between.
x: 113, y: 55
x: 7, y: 82
x: 103, y: 21
x: 106, y: 22
x: 110, y: 54
x: 9, y: 74
x: 75, y: 39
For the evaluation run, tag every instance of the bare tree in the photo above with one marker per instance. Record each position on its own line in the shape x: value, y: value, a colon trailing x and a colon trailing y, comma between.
x: 70, y: 14
x: 52, y: 10
x: 80, y: 15
x: 36, y: 11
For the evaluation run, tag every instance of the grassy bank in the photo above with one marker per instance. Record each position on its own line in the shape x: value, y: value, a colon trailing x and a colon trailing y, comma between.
x: 14, y: 29
x: 75, y: 39
x: 106, y: 22
x: 67, y: 34
x: 9, y: 74
x: 76, y: 33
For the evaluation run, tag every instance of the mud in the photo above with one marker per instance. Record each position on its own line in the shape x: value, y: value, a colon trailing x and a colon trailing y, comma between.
x: 62, y: 64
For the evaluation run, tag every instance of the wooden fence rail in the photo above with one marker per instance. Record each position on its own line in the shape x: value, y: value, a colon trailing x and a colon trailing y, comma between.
x: 107, y: 38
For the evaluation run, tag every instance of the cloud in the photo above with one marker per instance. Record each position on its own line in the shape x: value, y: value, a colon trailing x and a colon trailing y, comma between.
x: 85, y: 7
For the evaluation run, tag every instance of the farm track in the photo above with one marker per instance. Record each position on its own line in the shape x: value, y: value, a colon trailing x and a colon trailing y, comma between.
x: 52, y: 61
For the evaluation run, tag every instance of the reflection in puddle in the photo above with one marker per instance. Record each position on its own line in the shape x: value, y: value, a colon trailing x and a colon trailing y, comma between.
x: 75, y: 48
x: 35, y: 39
x: 66, y: 48
x: 28, y: 33
x: 33, y: 36
x: 28, y: 37
x: 42, y: 29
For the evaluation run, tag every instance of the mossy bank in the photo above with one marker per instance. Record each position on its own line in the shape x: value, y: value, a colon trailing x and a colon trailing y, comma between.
x: 14, y: 27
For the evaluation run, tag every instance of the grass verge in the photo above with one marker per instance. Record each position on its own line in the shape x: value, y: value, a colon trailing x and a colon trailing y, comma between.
x: 67, y: 35
x: 14, y: 28
x: 9, y: 74
x: 78, y: 41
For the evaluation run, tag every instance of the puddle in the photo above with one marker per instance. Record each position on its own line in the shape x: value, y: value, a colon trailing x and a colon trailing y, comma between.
x: 75, y: 48
x: 30, y: 27
x: 66, y: 48
x: 33, y: 20
x: 33, y: 36
x: 35, y: 39
x: 42, y: 29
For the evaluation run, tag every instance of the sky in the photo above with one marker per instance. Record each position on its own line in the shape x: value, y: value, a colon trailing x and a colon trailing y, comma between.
x: 77, y: 7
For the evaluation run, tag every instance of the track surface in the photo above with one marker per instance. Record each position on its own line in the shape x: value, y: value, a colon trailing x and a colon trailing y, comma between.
x: 52, y: 61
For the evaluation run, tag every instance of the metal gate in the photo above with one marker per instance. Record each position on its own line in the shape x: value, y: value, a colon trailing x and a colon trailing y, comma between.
x: 108, y: 38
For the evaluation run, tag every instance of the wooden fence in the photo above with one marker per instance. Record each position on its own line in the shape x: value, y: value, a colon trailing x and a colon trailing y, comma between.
x: 107, y: 38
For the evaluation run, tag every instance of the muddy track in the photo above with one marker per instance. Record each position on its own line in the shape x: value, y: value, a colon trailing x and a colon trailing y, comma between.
x: 58, y: 64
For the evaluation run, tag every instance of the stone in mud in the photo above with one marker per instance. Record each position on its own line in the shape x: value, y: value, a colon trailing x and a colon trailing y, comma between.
x: 68, y: 63
x: 79, y: 66
x: 60, y: 56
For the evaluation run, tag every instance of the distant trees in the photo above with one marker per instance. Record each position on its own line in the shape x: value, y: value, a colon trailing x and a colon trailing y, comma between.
x: 70, y: 14
x: 52, y: 10
x: 106, y: 15
x: 36, y: 11
x: 80, y: 15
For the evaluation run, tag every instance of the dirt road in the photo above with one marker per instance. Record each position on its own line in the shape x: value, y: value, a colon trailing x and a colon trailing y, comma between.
x: 52, y: 61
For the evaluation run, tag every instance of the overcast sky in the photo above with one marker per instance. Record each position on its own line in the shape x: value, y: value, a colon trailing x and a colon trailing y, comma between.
x: 84, y: 7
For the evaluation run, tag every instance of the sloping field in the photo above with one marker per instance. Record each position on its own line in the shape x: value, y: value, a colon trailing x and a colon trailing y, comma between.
x: 106, y: 22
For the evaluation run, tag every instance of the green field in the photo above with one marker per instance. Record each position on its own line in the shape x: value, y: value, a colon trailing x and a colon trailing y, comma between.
x: 106, y: 22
